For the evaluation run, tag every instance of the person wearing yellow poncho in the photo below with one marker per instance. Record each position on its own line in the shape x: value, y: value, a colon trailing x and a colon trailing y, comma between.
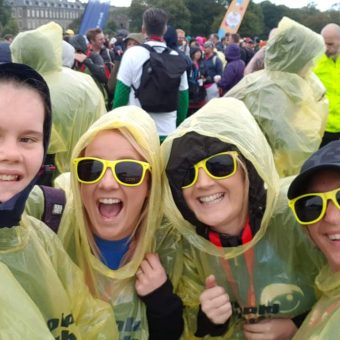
x: 110, y: 221
x: 229, y: 215
x: 33, y: 254
x: 286, y: 98
x: 20, y: 317
x: 314, y: 199
x: 76, y: 100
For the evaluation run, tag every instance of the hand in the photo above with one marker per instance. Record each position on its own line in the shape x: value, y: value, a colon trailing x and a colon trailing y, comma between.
x: 150, y: 275
x: 215, y: 302
x: 80, y: 57
x: 270, y: 329
x: 217, y: 78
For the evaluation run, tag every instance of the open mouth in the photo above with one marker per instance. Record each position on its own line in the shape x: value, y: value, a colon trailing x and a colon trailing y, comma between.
x: 9, y: 178
x: 211, y: 199
x: 110, y: 207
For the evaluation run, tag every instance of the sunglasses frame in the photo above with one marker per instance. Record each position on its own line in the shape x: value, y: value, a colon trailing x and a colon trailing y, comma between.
x: 325, y: 197
x: 203, y: 162
x: 111, y: 164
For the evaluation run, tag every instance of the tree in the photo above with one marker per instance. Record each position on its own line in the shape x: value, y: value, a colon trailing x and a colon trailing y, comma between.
x: 252, y: 23
x: 135, y: 14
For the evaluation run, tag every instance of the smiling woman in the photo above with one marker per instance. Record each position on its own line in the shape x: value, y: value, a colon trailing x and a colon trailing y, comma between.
x: 109, y: 226
x: 248, y: 267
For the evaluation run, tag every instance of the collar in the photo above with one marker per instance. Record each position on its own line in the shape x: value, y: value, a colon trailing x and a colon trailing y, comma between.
x: 155, y: 38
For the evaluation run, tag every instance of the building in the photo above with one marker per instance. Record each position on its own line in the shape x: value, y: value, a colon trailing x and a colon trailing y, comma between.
x: 31, y: 14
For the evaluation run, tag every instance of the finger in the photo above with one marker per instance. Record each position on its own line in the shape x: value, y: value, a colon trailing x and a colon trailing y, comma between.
x: 210, y: 282
x: 213, y: 293
x: 254, y: 336
x: 258, y: 327
x: 153, y: 260
x: 145, y: 266
x: 139, y: 272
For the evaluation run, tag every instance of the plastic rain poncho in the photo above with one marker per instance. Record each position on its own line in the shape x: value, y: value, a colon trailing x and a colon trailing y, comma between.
x: 36, y: 258
x: 269, y: 277
x: 290, y: 108
x: 324, y: 320
x: 20, y: 317
x: 76, y: 100
x: 117, y: 286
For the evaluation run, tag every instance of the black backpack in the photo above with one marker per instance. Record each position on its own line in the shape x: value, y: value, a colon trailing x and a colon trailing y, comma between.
x: 161, y: 76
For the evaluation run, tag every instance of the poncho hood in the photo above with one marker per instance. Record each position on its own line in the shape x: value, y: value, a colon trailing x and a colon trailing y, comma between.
x: 221, y: 125
x: 74, y: 231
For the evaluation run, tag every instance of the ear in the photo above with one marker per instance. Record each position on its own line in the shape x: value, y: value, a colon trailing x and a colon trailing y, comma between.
x: 143, y: 30
x: 165, y: 29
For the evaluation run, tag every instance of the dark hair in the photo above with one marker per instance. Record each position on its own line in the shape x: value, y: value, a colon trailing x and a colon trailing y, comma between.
x: 21, y: 75
x: 92, y: 33
x: 154, y: 21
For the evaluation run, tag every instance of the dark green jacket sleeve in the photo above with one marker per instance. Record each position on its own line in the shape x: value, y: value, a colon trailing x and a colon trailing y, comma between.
x: 121, y: 97
x: 183, y: 105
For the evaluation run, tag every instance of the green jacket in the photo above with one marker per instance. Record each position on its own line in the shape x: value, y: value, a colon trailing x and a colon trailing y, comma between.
x: 328, y: 71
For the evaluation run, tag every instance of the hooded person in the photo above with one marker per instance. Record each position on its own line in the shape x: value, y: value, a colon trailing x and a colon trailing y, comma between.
x: 32, y: 253
x: 76, y: 100
x: 110, y: 221
x: 314, y: 199
x: 286, y: 98
x: 233, y: 72
x: 233, y: 221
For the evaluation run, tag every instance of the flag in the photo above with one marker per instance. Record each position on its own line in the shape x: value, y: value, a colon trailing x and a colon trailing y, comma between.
x: 95, y: 15
x: 233, y: 18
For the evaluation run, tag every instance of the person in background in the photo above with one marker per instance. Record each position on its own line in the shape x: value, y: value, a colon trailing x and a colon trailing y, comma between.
x: 216, y: 41
x: 286, y: 95
x: 328, y: 70
x: 76, y: 100
x: 314, y: 197
x: 182, y: 42
x: 233, y: 72
x: 110, y: 222
x: 213, y: 70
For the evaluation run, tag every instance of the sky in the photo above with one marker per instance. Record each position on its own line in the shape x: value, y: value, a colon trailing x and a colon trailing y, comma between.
x: 321, y: 5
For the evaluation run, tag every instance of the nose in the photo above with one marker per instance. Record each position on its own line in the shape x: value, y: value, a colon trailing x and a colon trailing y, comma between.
x: 203, y: 179
x: 9, y: 151
x: 108, y: 182
x: 332, y: 215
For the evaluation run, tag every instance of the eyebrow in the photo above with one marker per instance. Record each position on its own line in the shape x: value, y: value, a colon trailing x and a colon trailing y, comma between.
x: 32, y: 132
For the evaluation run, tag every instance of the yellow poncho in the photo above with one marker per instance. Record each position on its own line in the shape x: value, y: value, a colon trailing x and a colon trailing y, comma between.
x: 117, y: 286
x: 272, y: 275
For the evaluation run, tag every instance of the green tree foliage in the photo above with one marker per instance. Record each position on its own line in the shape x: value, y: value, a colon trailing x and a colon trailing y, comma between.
x: 8, y: 24
x: 202, y: 17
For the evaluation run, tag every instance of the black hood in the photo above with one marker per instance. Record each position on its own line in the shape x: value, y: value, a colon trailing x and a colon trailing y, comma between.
x: 190, y: 149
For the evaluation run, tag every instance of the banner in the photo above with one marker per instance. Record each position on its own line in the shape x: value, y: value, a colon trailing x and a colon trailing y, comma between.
x: 95, y: 15
x: 233, y: 18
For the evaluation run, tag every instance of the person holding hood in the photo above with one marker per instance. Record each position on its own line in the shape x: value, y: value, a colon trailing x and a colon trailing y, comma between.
x: 314, y: 197
x: 110, y: 221
x: 246, y: 273
x: 286, y: 98
x: 76, y: 100
x: 32, y: 252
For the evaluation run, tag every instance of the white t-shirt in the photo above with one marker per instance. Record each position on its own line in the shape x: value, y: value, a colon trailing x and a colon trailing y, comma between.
x: 130, y: 73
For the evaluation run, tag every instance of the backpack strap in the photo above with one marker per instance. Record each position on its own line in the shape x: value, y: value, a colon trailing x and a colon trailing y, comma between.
x: 55, y: 201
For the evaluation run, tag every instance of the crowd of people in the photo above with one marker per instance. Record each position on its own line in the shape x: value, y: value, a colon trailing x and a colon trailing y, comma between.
x: 161, y: 186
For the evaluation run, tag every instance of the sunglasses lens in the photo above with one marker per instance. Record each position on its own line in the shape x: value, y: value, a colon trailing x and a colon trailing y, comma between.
x: 89, y: 170
x: 220, y: 165
x: 129, y: 172
x: 189, y: 177
x: 308, y: 208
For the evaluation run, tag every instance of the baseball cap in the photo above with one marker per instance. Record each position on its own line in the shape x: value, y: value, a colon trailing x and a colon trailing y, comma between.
x: 69, y: 32
x: 328, y: 157
x: 209, y: 44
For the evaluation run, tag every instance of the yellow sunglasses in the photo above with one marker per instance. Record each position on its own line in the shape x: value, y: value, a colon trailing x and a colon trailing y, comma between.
x: 311, y: 208
x: 218, y: 166
x: 127, y: 172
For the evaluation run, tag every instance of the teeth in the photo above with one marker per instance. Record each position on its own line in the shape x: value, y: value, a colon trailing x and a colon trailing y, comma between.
x: 211, y: 198
x: 8, y: 177
x: 334, y: 237
x: 109, y: 200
